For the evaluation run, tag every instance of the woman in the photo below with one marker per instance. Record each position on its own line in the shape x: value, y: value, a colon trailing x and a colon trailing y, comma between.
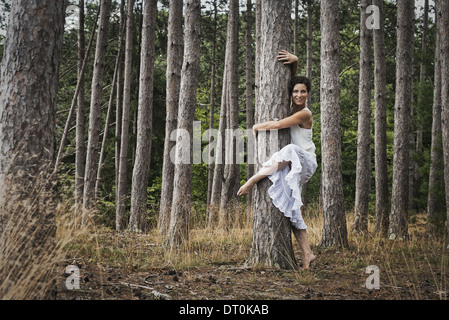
x: 291, y: 167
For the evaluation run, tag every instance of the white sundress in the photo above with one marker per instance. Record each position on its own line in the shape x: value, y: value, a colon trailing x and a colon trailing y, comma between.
x: 285, y: 191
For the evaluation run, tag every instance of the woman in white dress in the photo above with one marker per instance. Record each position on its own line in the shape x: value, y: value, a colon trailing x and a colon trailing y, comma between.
x: 291, y: 167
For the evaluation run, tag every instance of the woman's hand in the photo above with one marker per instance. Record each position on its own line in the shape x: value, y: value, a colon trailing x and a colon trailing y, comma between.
x: 287, y: 57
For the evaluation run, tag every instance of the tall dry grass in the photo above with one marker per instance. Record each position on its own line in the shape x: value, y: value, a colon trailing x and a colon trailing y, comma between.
x: 402, y: 263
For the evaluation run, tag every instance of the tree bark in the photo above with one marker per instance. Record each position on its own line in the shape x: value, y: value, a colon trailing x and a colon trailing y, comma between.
x: 363, y: 167
x: 28, y: 90
x: 380, y: 127
x: 182, y: 193
x: 444, y: 56
x: 249, y: 93
x: 124, y: 141
x: 334, y: 225
x: 272, y: 243
x: 80, y: 121
x: 144, y: 120
x: 89, y: 201
x: 232, y: 168
x: 210, y: 167
x: 174, y: 66
x: 119, y: 102
x: 404, y: 83
x: 436, y: 171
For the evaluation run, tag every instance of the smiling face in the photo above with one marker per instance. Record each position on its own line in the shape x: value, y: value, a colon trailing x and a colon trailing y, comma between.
x: 299, y: 95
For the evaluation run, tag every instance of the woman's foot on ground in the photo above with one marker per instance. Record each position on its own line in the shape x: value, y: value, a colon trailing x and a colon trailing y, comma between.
x: 308, y: 260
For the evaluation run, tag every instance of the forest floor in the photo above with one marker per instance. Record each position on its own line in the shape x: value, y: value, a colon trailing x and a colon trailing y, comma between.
x: 127, y: 266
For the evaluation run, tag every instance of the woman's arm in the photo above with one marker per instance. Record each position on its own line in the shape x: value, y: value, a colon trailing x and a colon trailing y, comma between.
x: 300, y: 117
x: 289, y: 58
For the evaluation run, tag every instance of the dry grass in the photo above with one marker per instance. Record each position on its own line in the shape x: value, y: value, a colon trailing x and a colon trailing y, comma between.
x: 412, y: 264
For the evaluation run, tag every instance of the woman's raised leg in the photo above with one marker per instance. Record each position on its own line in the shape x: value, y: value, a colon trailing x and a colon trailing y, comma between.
x: 262, y: 173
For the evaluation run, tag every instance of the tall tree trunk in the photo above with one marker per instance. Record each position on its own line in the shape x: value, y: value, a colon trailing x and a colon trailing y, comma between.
x: 295, y: 29
x: 404, y: 84
x: 422, y: 86
x: 182, y: 194
x: 210, y: 167
x: 305, y: 187
x: 249, y: 94
x: 380, y: 126
x: 174, y: 66
x: 443, y: 18
x: 80, y: 122
x: 272, y: 243
x: 28, y: 89
x: 309, y: 45
x: 124, y: 141
x: 231, y: 168
x: 144, y: 120
x: 334, y: 226
x: 363, y: 168
x: 119, y: 102
x: 436, y: 171
x: 89, y: 201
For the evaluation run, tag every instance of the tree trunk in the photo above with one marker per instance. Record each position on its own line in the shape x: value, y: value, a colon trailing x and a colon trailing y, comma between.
x: 380, y: 127
x: 124, y: 141
x: 334, y: 225
x: 182, y: 193
x: 295, y: 29
x: 444, y: 56
x: 174, y: 66
x: 80, y: 122
x: 309, y: 45
x: 89, y: 201
x: 210, y: 167
x: 422, y: 86
x: 272, y: 243
x: 119, y: 102
x: 249, y: 94
x: 404, y: 84
x: 232, y: 168
x: 28, y: 89
x: 363, y: 168
x: 144, y: 120
x: 436, y: 171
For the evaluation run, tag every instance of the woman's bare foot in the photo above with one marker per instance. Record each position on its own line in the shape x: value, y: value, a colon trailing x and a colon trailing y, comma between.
x: 245, y: 189
x: 308, y: 259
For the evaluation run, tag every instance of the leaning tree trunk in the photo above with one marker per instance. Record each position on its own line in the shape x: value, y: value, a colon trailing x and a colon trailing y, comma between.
x: 363, y: 167
x: 272, y: 242
x: 182, y: 193
x: 28, y: 89
x: 334, y: 226
x: 231, y: 168
x: 144, y: 120
x: 436, y: 171
x: 380, y: 126
x: 120, y: 206
x: 90, y: 172
x: 443, y: 18
x: 404, y: 84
